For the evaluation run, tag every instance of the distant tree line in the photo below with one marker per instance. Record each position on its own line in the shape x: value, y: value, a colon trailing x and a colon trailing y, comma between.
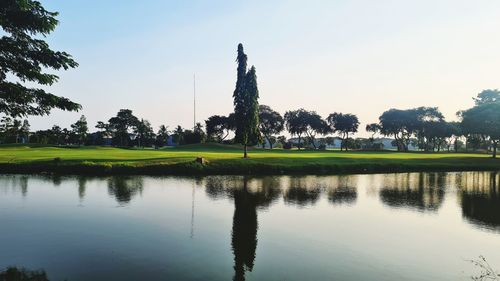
x: 424, y: 128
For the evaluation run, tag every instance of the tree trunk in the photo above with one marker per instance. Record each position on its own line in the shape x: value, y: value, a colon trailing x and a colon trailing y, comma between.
x: 346, y: 139
x: 495, y: 149
x: 245, y: 154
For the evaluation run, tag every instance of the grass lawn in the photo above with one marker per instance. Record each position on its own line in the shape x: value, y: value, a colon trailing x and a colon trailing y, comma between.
x: 226, y: 159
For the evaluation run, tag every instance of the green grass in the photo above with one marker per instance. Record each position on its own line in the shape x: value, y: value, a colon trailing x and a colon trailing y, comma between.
x: 227, y: 159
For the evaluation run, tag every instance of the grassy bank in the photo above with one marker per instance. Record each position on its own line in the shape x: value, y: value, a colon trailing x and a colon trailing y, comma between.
x: 228, y: 160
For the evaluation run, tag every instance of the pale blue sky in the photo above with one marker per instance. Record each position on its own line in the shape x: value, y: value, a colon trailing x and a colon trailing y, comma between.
x: 360, y: 57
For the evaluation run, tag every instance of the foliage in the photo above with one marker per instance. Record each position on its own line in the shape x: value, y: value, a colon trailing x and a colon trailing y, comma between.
x: 218, y: 127
x: 25, y: 56
x: 162, y: 136
x: 246, y: 106
x: 343, y: 124
x: 80, y: 129
x: 120, y: 126
x: 484, y: 119
x: 296, y: 124
x: 271, y: 123
x: 144, y: 134
x: 487, y: 96
x: 22, y: 274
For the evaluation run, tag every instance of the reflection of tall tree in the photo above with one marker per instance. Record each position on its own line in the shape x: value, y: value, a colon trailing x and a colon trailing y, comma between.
x: 23, y: 182
x: 422, y: 191
x: 480, y: 199
x: 248, y: 194
x: 244, y: 235
x: 124, y: 188
x: 82, y: 186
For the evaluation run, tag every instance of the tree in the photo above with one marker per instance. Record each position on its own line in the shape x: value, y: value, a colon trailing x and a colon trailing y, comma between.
x: 218, y: 127
x: 144, y: 133
x: 178, y: 135
x: 487, y: 96
x: 343, y: 124
x: 246, y: 105
x: 162, y: 136
x: 120, y: 126
x: 271, y: 123
x: 25, y: 131
x: 25, y: 56
x: 80, y: 129
x: 295, y: 122
x: 197, y: 135
x: 484, y: 119
x: 314, y: 125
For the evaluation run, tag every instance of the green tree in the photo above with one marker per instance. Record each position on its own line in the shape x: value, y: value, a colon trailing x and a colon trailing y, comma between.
x: 218, y: 127
x: 296, y: 123
x: 144, y: 133
x: 25, y: 56
x: 162, y: 136
x: 487, y: 96
x: 271, y: 123
x: 314, y: 125
x: 484, y: 119
x: 80, y: 129
x: 25, y: 131
x: 343, y: 124
x: 246, y: 105
x: 120, y: 126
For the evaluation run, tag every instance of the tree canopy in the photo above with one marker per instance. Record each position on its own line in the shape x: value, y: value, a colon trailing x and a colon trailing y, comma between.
x: 484, y: 119
x: 271, y: 123
x: 23, y: 55
x: 246, y: 105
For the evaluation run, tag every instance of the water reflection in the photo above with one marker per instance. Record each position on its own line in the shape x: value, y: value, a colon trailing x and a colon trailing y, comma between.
x: 125, y: 188
x: 300, y: 192
x: 22, y: 274
x: 480, y: 199
x: 416, y: 191
x: 477, y: 193
x: 344, y: 192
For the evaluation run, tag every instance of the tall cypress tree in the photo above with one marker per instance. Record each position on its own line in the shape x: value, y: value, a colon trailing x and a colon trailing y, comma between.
x: 246, y: 105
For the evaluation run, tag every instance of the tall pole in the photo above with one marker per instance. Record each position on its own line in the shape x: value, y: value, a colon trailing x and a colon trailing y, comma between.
x: 194, y: 101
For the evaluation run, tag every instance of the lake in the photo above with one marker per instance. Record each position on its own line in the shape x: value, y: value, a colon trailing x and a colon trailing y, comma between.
x: 408, y: 226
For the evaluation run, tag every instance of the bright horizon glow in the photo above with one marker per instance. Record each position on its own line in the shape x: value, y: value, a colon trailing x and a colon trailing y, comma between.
x: 360, y: 57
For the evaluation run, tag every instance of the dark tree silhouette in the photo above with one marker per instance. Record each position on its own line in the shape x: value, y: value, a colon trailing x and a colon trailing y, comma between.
x: 296, y: 124
x: 25, y: 56
x: 121, y: 125
x: 246, y: 106
x: 343, y: 124
x: 271, y: 123
x: 484, y: 119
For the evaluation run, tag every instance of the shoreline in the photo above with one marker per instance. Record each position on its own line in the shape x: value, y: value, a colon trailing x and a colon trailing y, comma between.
x: 193, y: 168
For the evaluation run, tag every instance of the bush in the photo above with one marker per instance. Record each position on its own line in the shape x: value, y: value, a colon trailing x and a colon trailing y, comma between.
x: 287, y: 145
x: 322, y: 146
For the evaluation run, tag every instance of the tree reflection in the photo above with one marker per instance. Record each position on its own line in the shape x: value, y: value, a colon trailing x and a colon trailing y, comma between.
x: 249, y: 195
x: 344, y: 192
x: 124, y: 188
x: 244, y: 234
x: 82, y: 186
x: 417, y: 191
x: 22, y: 274
x: 480, y: 199
x: 302, y: 191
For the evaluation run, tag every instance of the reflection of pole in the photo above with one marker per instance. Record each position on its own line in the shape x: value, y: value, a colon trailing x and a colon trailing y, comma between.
x: 192, y: 212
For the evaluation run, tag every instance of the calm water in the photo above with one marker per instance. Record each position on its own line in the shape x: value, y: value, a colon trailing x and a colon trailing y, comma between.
x: 418, y: 226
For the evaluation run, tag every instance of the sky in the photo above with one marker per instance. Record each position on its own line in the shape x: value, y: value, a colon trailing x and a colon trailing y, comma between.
x: 356, y: 56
